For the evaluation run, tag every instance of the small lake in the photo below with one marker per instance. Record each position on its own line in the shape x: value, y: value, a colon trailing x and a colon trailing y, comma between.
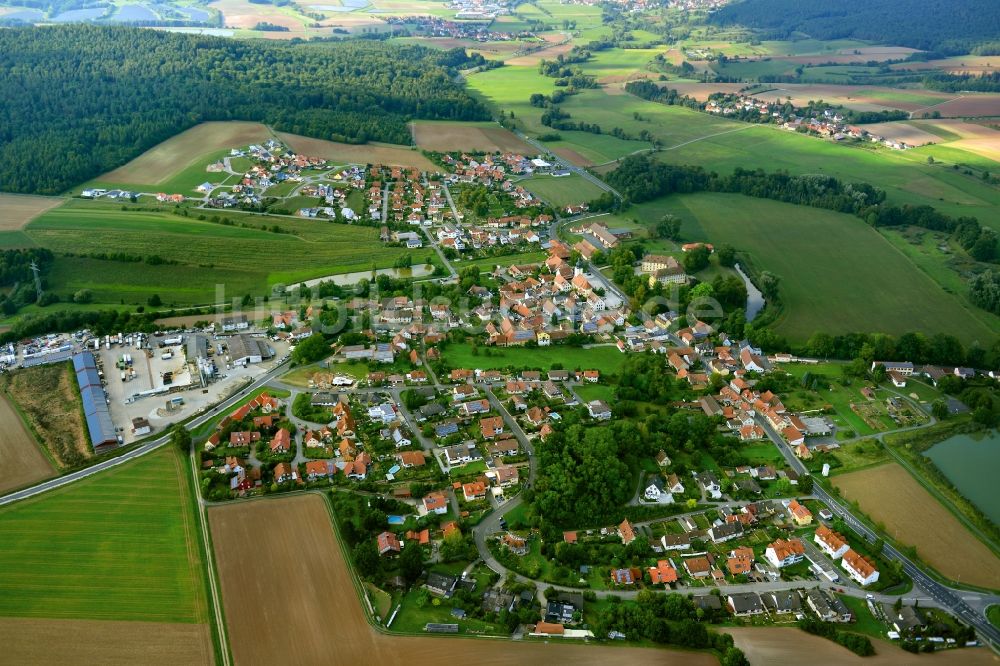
x: 80, y: 15
x: 130, y: 13
x: 193, y: 14
x: 26, y: 15
x: 971, y: 463
x: 345, y: 6
x: 755, y: 298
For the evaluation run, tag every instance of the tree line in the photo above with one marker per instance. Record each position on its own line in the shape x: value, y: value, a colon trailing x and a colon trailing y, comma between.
x: 79, y: 100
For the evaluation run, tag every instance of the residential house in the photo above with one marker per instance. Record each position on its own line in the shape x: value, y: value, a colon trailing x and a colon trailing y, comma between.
x: 801, y: 516
x: 283, y: 473
x: 782, y: 553
x: 830, y: 542
x: 441, y: 585
x: 598, y: 409
x: 656, y: 491
x: 859, y: 568
x: 709, y: 484
x: 491, y: 426
x: 411, y: 458
x: 320, y: 469
x: 782, y: 602
x: 745, y: 604
x: 627, y: 576
x: 626, y: 532
x: 662, y: 573
x: 674, y: 485
x: 282, y: 441
x: 436, y: 503
x: 697, y: 567
x: 675, y: 541
x: 473, y: 491
x: 725, y: 532
x: 828, y: 607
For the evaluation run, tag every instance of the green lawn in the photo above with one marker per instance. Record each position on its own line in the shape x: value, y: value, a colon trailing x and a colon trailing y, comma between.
x: 207, y: 255
x: 762, y: 453
x: 852, y: 280
x: 606, y: 359
x: 562, y: 191
x: 993, y: 613
x: 121, y: 545
x: 596, y: 392
x: 864, y: 622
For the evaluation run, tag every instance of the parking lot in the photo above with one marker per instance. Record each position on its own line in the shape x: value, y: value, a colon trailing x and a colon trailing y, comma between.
x: 149, y: 369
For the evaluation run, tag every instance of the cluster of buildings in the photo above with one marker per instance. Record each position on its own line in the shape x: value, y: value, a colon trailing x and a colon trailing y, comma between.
x: 827, y: 122
x: 272, y: 164
x: 433, y: 26
x: 597, y: 238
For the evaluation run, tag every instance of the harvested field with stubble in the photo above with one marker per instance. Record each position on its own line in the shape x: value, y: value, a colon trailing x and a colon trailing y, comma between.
x: 906, y: 132
x: 21, y: 462
x: 84, y: 642
x: 448, y: 136
x: 348, y: 153
x: 888, y: 494
x: 290, y: 598
x: 16, y: 210
x: 48, y: 397
x: 775, y: 645
x: 164, y: 160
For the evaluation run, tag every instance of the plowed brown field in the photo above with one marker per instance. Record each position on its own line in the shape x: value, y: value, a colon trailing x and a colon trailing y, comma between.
x: 84, y: 642
x: 290, y: 599
x: 21, y: 462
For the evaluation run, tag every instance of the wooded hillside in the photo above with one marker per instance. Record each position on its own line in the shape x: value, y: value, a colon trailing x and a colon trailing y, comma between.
x: 79, y: 100
x: 946, y: 26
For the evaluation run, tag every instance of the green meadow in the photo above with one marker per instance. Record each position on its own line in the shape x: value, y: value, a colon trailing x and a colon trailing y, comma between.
x: 606, y: 359
x: 562, y: 191
x: 121, y: 545
x: 197, y: 254
x: 838, y: 275
x: 905, y: 180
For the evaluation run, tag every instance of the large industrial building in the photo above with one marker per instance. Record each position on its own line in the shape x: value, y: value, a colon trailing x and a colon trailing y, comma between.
x: 95, y: 405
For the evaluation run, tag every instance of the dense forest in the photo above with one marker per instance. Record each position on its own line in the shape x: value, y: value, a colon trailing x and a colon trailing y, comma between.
x: 79, y: 100
x: 945, y: 26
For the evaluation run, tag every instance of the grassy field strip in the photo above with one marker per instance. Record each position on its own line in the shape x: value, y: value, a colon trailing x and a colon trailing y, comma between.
x: 206, y: 253
x: 782, y: 237
x: 112, y: 547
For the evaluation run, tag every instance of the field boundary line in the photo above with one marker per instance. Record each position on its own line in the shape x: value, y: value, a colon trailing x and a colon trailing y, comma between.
x: 709, y: 136
x: 215, y: 601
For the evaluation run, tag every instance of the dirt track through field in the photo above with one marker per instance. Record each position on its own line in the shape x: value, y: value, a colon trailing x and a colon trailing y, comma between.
x: 781, y: 645
x: 369, y: 153
x: 888, y: 494
x: 16, y: 210
x: 21, y: 462
x: 81, y: 642
x: 290, y: 599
